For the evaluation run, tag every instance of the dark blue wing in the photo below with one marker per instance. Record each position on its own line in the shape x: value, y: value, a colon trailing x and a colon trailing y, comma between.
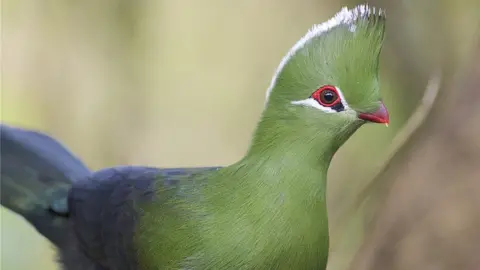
x: 37, y: 171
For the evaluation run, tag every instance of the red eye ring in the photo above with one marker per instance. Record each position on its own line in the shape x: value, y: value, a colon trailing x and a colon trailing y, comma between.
x: 327, y: 95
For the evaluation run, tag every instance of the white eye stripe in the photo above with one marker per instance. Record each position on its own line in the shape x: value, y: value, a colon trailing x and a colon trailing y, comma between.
x: 313, y: 103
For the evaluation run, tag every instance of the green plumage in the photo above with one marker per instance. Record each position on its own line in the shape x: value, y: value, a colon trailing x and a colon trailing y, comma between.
x: 268, y: 211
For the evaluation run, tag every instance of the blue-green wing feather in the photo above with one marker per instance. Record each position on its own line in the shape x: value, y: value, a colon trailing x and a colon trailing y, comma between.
x: 37, y: 172
x: 89, y: 216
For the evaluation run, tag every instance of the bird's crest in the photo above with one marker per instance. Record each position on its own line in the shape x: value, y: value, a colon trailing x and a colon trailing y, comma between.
x: 339, y: 36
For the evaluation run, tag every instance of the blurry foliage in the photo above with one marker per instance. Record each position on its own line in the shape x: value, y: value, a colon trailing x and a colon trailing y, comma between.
x: 182, y: 83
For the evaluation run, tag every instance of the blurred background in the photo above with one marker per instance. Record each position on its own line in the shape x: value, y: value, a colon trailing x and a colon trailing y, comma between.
x: 182, y: 83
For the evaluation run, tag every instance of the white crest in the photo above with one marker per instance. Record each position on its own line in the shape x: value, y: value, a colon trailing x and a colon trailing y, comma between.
x: 344, y: 17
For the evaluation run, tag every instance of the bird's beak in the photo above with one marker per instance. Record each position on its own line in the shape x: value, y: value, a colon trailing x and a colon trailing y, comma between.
x: 379, y: 116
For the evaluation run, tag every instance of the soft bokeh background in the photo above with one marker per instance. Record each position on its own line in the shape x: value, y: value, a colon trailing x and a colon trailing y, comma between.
x: 182, y: 83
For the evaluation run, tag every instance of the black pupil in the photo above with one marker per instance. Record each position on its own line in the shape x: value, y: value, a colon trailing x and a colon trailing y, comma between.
x: 328, y: 96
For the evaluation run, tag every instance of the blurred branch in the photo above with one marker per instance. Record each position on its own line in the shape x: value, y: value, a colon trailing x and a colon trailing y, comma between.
x: 429, y: 217
x: 413, y: 123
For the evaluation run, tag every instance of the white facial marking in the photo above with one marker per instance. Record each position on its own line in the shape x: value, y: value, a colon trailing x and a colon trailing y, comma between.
x: 313, y: 103
x: 310, y: 102
x: 344, y: 17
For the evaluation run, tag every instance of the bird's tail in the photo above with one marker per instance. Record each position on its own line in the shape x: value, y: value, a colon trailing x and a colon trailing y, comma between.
x: 36, y: 175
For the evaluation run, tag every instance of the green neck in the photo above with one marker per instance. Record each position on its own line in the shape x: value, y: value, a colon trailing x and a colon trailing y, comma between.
x: 290, y: 156
x: 295, y: 143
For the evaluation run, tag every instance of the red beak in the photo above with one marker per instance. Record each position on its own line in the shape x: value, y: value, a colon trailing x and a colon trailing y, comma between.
x: 379, y: 116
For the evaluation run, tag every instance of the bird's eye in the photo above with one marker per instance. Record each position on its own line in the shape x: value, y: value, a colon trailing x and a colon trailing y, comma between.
x: 326, y: 95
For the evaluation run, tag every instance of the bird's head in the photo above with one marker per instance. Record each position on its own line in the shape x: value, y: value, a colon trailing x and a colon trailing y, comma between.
x: 329, y: 79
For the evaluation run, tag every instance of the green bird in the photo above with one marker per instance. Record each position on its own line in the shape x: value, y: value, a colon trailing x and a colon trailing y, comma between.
x: 266, y: 211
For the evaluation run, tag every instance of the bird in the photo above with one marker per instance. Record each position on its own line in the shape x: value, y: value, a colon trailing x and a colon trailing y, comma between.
x: 265, y: 211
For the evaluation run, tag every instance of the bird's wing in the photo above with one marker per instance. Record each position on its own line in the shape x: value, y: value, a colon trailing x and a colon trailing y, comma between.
x: 89, y: 216
x: 103, y: 211
x: 36, y: 173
